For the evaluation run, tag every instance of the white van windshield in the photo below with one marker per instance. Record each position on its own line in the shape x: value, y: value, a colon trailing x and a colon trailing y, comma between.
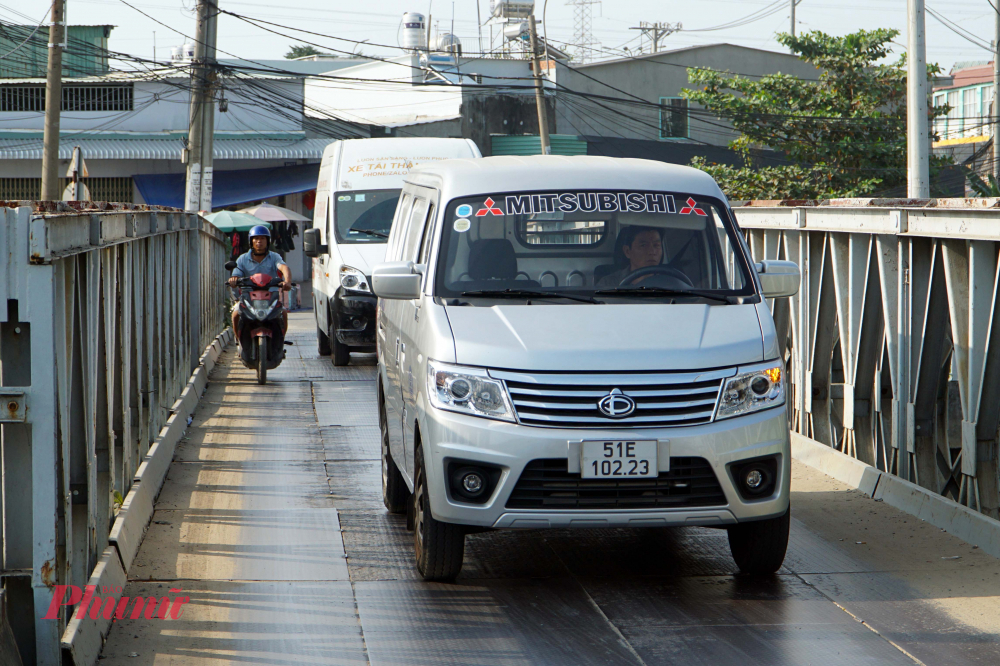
x: 364, y: 216
x: 589, y: 245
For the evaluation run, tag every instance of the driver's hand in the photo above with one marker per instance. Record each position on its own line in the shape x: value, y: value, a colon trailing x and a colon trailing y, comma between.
x: 233, y: 281
x: 287, y: 286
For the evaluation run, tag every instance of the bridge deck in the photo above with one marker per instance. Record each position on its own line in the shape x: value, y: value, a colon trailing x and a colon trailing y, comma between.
x: 271, y: 521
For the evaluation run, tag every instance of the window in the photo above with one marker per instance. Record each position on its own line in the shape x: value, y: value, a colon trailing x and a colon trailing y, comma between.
x: 399, y: 227
x: 986, y: 109
x: 940, y: 123
x: 554, y: 229
x: 74, y: 98
x: 954, y: 116
x: 118, y: 190
x: 364, y: 216
x: 425, y: 244
x: 673, y: 118
x: 970, y: 111
x: 415, y: 230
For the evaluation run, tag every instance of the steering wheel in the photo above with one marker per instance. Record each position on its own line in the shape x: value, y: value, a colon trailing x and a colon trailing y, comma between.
x: 672, y: 274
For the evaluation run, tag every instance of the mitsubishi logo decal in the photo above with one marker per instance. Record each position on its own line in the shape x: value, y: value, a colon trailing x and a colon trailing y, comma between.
x: 616, y: 405
x: 692, y: 207
x: 489, y: 208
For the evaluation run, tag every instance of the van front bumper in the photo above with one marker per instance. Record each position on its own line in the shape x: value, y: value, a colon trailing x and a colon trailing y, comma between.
x: 447, y: 437
x: 354, y: 318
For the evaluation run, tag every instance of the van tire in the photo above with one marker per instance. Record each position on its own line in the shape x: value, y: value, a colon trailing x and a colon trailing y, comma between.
x: 323, y: 342
x: 438, y: 547
x: 394, y: 490
x: 341, y: 352
x: 759, y: 546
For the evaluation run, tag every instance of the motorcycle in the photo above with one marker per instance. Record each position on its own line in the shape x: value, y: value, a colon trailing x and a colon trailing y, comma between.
x: 261, y: 342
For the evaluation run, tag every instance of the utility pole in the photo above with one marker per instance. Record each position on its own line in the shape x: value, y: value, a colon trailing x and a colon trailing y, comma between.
x: 657, y: 31
x: 793, y: 17
x: 201, y: 126
x: 917, y: 146
x: 995, y: 170
x: 53, y: 103
x: 543, y: 120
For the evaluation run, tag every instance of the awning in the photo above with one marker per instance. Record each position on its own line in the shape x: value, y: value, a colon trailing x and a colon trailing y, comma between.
x: 230, y: 187
x: 167, y: 149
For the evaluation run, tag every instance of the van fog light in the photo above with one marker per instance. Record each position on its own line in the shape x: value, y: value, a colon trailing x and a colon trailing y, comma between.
x: 753, y: 479
x: 473, y: 483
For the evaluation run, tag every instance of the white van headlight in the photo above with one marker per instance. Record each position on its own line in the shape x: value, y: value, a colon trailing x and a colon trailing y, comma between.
x: 456, y: 388
x: 752, y: 391
x: 353, y: 280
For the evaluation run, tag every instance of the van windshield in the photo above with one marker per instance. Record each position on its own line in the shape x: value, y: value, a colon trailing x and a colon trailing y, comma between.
x: 364, y: 216
x: 586, y: 246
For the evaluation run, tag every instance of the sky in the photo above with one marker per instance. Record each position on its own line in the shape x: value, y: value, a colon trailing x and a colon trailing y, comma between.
x: 378, y: 22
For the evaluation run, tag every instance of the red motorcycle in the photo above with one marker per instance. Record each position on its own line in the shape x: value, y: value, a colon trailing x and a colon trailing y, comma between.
x: 259, y: 335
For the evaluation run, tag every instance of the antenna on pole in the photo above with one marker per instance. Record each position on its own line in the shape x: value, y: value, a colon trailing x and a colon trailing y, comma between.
x: 583, y: 35
x: 657, y: 31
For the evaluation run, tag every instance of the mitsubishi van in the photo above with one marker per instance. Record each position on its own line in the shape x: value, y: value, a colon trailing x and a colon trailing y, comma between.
x: 578, y: 342
x: 356, y: 195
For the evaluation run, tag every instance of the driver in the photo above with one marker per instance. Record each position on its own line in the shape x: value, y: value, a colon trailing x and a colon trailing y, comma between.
x: 642, y: 247
x: 259, y: 259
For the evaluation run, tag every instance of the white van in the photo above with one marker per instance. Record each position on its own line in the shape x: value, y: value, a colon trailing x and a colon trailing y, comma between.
x: 579, y: 342
x: 356, y: 195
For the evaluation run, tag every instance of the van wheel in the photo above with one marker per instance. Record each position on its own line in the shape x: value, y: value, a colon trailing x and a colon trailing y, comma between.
x: 323, y: 342
x: 438, y: 547
x: 341, y: 352
x: 394, y: 490
x: 759, y: 547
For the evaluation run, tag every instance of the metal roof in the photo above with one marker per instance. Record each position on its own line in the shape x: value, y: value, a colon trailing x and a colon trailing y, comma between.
x: 167, y: 149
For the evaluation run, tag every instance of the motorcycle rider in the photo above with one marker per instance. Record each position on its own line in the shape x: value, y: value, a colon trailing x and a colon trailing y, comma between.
x: 259, y: 259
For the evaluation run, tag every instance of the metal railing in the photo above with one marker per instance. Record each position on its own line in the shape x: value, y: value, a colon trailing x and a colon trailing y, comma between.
x: 104, y: 313
x: 893, y: 341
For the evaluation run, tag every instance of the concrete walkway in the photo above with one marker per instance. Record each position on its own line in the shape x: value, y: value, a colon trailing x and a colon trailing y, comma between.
x: 271, y: 521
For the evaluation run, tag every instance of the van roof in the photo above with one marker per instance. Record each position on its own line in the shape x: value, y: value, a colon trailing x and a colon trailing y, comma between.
x: 459, y: 177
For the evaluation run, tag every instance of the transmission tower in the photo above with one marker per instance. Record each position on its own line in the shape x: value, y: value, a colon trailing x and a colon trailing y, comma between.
x: 583, y: 35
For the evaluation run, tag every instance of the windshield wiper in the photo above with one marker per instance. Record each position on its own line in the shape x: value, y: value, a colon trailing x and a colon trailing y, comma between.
x: 370, y: 232
x: 663, y: 291
x: 525, y: 293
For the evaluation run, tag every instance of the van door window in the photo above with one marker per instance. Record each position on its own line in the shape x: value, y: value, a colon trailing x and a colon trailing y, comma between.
x: 415, y: 230
x: 399, y: 227
x: 425, y: 243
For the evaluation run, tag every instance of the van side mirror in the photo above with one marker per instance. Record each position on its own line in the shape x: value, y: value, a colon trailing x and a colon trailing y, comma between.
x: 778, y: 278
x: 396, y: 280
x: 230, y: 265
x: 311, y: 243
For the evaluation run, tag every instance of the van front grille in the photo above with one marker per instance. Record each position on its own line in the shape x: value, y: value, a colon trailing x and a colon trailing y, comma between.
x: 570, y: 400
x: 545, y: 484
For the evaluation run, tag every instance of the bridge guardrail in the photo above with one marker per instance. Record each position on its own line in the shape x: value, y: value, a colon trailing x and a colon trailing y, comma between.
x: 893, y: 341
x: 104, y: 313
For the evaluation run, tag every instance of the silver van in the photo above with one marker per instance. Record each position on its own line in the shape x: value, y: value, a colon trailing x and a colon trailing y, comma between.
x: 582, y: 342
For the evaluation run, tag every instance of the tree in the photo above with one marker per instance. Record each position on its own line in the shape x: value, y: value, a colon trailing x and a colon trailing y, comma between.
x: 301, y: 50
x: 842, y: 134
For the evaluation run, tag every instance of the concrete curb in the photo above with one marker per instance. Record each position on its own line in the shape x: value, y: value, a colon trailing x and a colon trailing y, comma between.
x: 83, y: 639
x: 961, y: 521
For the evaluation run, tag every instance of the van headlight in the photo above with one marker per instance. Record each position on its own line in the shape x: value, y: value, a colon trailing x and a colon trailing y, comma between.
x: 456, y: 388
x: 353, y: 280
x: 752, y: 391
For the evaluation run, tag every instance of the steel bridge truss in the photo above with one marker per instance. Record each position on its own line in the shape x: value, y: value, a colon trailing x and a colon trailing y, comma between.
x: 893, y: 341
x: 103, y: 316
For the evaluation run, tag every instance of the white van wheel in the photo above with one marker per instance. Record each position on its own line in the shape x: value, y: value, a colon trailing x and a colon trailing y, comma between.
x: 394, y: 490
x: 341, y: 352
x: 759, y: 547
x: 323, y: 342
x: 439, y: 547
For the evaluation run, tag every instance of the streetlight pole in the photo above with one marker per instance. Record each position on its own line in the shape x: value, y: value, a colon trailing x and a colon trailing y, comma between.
x: 543, y: 121
x: 917, y: 147
x: 53, y: 103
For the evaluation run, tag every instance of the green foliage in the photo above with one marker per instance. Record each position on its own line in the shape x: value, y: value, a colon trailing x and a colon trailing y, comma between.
x: 988, y: 188
x: 844, y: 134
x: 301, y: 50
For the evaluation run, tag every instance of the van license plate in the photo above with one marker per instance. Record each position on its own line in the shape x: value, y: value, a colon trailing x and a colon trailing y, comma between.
x: 619, y: 460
